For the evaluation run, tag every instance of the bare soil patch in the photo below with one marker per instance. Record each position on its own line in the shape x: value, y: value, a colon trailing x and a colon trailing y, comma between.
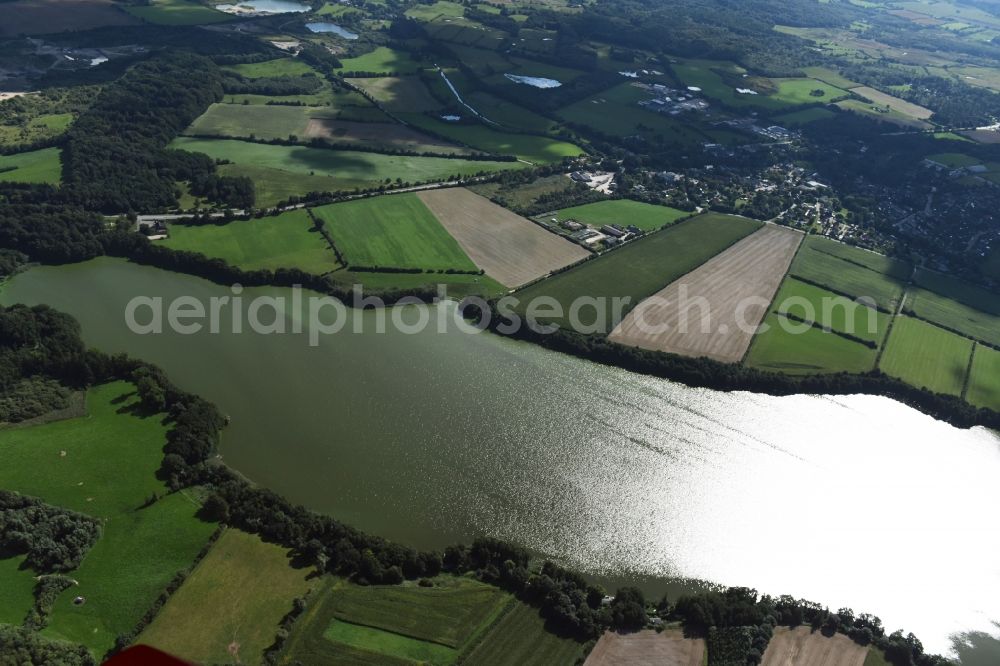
x: 647, y: 648
x: 511, y: 249
x: 41, y: 17
x: 803, y: 647
x: 715, y: 309
x: 389, y: 135
x: 894, y: 103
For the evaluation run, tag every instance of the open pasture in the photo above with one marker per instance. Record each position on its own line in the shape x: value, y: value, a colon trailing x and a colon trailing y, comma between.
x: 640, y: 268
x: 830, y: 310
x: 623, y: 212
x: 178, y: 12
x: 347, y: 167
x: 924, y: 355
x: 483, y: 62
x: 799, y: 92
x: 787, y: 346
x: 388, y: 135
x: 382, y: 60
x: 395, y: 231
x: 36, y: 166
x: 430, y: 12
x: 398, y: 93
x: 816, y: 264
x: 792, y: 647
x: 229, y: 608
x: 511, y: 249
x: 896, y: 268
x: 17, y: 587
x: 954, y: 315
x: 520, y: 639
x: 882, y: 113
x: 104, y: 465
x: 518, y: 196
x: 283, y: 241
x: 271, y: 68
x: 39, y: 128
x: 715, y: 309
x: 41, y: 17
x: 647, y: 648
x: 244, y: 120
x: 449, y: 613
x: 508, y: 114
x: 529, y: 147
x: 460, y: 30
x: 984, y: 382
x: 272, y: 186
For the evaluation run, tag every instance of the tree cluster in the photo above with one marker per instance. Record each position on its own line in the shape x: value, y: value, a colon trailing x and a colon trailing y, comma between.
x: 52, y: 539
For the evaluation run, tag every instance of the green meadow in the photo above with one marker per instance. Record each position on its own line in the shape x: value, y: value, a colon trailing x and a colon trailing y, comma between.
x: 520, y: 639
x: 262, y: 122
x: 924, y: 355
x: 984, y: 381
x: 382, y: 60
x: 348, y: 168
x: 392, y: 231
x: 643, y: 267
x: 846, y: 273
x: 387, y: 644
x: 616, y: 112
x: 217, y: 606
x: 957, y: 305
x: 529, y: 147
x: 509, y: 114
x: 36, y: 166
x: 177, y: 12
x: 16, y: 590
x: 831, y: 310
x: 624, y: 212
x: 287, y: 240
x: 792, y: 348
x: 104, y: 465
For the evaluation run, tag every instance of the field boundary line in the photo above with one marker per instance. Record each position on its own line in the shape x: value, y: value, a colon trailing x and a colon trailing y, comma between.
x: 892, y: 323
x: 337, y: 616
x: 968, y: 371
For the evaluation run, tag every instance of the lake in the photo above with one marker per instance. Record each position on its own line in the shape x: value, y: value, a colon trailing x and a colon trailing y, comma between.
x: 266, y: 6
x: 434, y: 438
x: 534, y: 81
x: 323, y: 26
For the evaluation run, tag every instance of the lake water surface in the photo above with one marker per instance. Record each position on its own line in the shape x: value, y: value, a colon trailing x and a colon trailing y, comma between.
x: 431, y: 439
x: 333, y: 28
x: 269, y: 6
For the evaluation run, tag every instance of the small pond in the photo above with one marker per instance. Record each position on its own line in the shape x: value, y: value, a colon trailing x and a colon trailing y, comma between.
x: 324, y: 26
x: 534, y: 81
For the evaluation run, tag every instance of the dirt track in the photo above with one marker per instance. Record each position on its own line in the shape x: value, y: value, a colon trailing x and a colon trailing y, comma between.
x: 801, y: 647
x: 511, y: 249
x: 715, y: 309
x: 646, y: 648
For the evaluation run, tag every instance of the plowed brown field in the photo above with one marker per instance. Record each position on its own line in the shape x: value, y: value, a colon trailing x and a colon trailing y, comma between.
x: 802, y: 647
x: 511, y: 249
x: 715, y: 309
x: 646, y: 648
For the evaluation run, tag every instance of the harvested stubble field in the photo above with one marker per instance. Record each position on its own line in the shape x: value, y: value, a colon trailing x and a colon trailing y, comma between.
x: 389, y: 135
x: 637, y: 270
x: 802, y: 647
x: 715, y: 309
x: 647, y: 648
x: 902, y: 106
x: 511, y: 249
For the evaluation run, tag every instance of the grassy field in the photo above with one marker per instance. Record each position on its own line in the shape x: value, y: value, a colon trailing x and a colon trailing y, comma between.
x: 831, y: 310
x: 230, y: 606
x: 274, y: 185
x: 520, y: 639
x: 708, y: 76
x: 624, y: 212
x: 271, y: 68
x: 535, y: 149
x: 984, y: 382
x: 347, y: 169
x: 926, y: 356
x: 430, y: 12
x: 284, y: 241
x: 523, y: 196
x: 262, y: 122
x: 449, y: 613
x: 616, y: 112
x: 830, y: 76
x: 808, y: 352
x: 381, y: 60
x: 37, y: 166
x: 805, y: 116
x: 958, y: 305
x: 104, y: 465
x: 45, y: 126
x: 458, y: 285
x: 16, y: 590
x: 395, y: 624
x: 177, y: 12
x: 396, y: 231
x: 399, y: 93
x: 849, y: 271
x: 509, y: 114
x: 645, y: 266
x: 954, y: 160
x: 800, y: 91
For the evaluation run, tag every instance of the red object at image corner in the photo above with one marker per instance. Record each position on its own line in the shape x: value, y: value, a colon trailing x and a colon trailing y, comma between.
x: 143, y: 655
